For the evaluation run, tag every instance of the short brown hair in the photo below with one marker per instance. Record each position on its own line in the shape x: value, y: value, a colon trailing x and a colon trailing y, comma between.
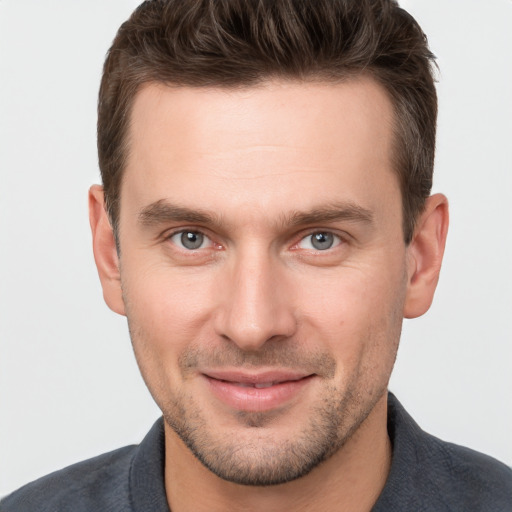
x: 237, y: 43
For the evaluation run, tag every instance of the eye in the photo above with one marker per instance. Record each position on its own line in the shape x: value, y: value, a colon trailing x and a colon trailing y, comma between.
x: 191, y: 240
x: 320, y: 241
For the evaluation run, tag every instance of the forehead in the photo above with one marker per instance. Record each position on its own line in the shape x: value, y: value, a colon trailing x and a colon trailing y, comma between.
x: 259, y: 147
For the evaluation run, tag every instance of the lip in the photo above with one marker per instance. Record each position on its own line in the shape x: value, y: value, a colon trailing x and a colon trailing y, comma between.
x: 256, y: 392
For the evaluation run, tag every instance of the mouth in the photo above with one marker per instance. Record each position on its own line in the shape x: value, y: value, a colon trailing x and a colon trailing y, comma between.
x: 257, y: 392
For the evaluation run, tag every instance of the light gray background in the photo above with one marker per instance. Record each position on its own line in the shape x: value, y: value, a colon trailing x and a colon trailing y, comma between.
x: 69, y: 386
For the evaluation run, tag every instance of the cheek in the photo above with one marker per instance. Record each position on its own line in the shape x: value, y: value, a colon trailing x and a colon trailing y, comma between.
x: 355, y: 313
x: 165, y: 315
x: 166, y: 311
x: 350, y: 296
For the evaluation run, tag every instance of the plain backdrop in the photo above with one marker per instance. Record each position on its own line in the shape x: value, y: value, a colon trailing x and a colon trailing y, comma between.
x: 69, y: 386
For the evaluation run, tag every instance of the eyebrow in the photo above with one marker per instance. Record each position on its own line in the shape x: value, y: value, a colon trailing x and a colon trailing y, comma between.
x: 163, y: 211
x: 332, y: 213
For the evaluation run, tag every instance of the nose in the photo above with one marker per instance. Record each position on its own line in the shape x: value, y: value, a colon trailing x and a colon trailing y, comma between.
x: 255, y: 305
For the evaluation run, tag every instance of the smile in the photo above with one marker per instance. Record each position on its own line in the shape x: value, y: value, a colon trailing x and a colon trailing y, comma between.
x: 256, y: 392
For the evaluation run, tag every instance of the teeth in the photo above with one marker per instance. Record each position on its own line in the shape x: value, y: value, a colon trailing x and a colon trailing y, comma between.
x: 263, y: 385
x: 258, y: 386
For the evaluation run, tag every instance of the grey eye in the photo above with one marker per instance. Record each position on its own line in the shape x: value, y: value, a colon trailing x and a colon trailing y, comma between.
x: 322, y: 241
x: 189, y: 239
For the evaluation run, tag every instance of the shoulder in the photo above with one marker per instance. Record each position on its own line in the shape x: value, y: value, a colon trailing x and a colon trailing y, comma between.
x: 468, y: 477
x: 428, y: 474
x: 100, y: 483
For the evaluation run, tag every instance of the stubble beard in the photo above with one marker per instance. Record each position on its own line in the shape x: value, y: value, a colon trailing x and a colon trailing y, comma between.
x: 257, y: 459
x: 249, y: 455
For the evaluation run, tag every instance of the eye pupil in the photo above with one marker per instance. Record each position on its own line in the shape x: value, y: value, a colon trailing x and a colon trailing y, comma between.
x: 322, y: 241
x: 192, y: 239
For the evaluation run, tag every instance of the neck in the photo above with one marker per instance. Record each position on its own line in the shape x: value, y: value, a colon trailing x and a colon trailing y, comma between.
x: 350, y: 480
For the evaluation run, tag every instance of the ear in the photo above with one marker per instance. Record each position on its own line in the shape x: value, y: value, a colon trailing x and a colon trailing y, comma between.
x: 105, y: 251
x: 425, y: 255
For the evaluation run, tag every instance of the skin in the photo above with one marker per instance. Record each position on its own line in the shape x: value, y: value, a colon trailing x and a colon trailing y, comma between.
x: 257, y: 171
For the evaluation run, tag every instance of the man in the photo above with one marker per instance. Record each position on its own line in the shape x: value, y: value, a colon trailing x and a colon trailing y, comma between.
x: 265, y: 225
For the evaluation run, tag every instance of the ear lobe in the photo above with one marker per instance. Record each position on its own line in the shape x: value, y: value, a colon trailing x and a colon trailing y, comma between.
x: 105, y: 251
x: 425, y: 255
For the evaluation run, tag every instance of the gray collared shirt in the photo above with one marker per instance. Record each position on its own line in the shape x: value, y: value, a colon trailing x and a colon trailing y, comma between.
x: 427, y: 475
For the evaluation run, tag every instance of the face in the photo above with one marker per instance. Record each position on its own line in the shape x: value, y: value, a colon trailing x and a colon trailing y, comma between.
x: 263, y: 268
